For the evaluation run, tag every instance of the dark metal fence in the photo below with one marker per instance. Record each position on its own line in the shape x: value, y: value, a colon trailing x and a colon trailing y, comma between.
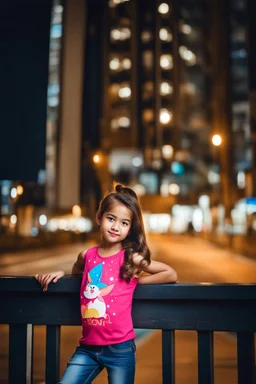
x: 202, y: 307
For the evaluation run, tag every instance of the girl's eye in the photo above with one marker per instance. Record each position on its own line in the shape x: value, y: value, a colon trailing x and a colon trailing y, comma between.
x: 110, y: 218
x: 125, y: 223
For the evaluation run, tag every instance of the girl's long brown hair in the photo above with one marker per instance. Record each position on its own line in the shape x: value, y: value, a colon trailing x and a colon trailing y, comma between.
x: 135, y: 242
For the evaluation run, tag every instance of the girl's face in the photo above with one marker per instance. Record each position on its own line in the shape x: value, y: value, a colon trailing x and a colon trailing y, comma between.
x: 115, y: 223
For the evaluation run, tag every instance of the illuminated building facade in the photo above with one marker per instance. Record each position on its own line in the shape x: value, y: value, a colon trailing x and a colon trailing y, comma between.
x: 153, y: 117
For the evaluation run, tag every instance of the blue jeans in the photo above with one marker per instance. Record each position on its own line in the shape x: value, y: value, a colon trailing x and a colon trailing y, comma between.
x: 89, y: 360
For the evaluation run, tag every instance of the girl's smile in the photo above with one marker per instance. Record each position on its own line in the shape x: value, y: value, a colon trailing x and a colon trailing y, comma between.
x: 113, y: 234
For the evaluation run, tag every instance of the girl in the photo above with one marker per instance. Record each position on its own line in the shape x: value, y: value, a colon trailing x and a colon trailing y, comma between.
x: 111, y: 272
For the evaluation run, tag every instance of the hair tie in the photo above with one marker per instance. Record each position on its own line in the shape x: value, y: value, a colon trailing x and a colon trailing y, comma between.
x: 119, y: 188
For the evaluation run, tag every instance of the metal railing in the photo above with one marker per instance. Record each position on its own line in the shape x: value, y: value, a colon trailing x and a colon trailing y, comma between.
x: 202, y: 307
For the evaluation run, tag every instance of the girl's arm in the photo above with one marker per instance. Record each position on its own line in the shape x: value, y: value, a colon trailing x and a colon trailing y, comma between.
x: 159, y: 273
x: 77, y: 269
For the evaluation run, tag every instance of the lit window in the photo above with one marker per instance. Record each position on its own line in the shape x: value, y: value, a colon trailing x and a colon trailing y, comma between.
x: 120, y: 122
x: 115, y: 34
x: 147, y: 90
x: 165, y: 35
x: 127, y: 64
x: 114, y: 64
x: 146, y: 37
x: 148, y: 59
x: 187, y: 55
x: 166, y: 88
x: 166, y: 61
x: 117, y: 64
x: 115, y: 3
x: 148, y: 115
x: 114, y: 124
x: 125, y: 34
x: 165, y: 116
x: 120, y: 34
x: 125, y: 93
x: 185, y: 28
x: 124, y: 122
x: 163, y: 8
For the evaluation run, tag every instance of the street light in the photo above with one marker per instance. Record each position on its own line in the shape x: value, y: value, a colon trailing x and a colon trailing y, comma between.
x: 96, y: 159
x: 220, y: 222
x: 20, y: 190
x: 216, y: 140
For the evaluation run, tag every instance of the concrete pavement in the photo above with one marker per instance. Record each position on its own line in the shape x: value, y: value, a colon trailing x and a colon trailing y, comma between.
x: 197, y: 260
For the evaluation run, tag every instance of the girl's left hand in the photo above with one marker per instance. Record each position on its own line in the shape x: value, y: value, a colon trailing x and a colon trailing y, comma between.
x: 46, y: 278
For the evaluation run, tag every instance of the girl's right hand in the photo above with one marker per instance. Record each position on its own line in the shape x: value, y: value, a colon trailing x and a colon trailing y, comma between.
x: 46, y: 278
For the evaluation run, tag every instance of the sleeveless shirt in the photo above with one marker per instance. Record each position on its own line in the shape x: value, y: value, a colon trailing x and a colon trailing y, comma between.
x: 105, y: 300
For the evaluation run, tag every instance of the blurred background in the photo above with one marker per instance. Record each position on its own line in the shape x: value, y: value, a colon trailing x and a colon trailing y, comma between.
x: 160, y: 96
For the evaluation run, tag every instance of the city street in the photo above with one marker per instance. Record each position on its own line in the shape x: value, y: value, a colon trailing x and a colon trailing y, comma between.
x: 195, y: 261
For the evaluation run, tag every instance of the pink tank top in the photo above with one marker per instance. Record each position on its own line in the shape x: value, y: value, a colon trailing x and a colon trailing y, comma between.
x: 105, y: 300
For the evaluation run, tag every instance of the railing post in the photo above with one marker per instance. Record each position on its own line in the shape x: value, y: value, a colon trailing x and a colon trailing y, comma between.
x: 246, y: 358
x: 20, y: 353
x: 168, y: 356
x: 52, y: 368
x: 205, y: 358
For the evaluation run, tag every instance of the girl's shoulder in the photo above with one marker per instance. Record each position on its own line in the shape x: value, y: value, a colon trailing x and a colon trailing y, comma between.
x: 90, y: 251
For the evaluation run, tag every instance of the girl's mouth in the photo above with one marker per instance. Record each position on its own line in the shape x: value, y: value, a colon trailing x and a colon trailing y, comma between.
x: 113, y: 234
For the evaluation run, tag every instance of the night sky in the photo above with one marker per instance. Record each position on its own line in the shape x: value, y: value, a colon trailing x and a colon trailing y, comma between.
x: 24, y: 43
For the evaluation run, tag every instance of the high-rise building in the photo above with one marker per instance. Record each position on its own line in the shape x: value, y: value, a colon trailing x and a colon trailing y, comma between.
x: 154, y: 122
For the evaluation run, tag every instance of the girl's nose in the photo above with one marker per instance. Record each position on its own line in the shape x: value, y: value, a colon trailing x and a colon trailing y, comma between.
x: 115, y: 226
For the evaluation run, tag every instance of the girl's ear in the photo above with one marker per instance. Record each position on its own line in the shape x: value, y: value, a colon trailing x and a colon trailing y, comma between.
x: 97, y: 218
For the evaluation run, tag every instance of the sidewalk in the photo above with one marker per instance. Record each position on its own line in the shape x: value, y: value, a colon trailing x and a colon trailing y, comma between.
x: 197, y: 260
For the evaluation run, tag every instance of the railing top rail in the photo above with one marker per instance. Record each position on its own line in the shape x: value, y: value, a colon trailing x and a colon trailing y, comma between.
x: 179, y: 291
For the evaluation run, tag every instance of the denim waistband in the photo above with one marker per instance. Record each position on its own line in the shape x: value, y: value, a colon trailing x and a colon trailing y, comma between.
x: 92, y: 346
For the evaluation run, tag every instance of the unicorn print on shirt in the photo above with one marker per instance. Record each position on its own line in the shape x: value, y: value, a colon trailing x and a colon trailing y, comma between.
x: 94, y: 291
